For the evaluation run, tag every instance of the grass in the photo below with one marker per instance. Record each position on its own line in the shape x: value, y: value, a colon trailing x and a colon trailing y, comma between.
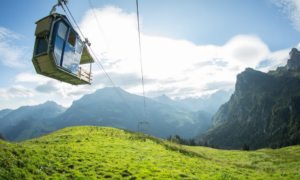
x: 90, y: 152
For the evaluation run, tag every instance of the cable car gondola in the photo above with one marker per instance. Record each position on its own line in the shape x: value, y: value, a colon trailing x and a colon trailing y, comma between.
x: 59, y: 51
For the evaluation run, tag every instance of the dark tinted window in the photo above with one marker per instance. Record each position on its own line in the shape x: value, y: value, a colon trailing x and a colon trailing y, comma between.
x: 72, y: 38
x: 42, y: 46
x: 62, y: 31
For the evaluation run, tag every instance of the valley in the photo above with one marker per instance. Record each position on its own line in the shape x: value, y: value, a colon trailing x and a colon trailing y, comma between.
x: 103, y: 108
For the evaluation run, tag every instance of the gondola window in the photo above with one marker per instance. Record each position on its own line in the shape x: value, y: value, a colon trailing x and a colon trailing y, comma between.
x: 62, y: 31
x: 72, y: 38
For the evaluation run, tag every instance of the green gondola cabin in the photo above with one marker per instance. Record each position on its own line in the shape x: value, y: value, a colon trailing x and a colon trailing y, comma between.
x: 59, y: 51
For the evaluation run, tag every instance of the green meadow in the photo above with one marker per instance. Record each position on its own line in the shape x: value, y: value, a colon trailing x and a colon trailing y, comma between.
x: 89, y: 152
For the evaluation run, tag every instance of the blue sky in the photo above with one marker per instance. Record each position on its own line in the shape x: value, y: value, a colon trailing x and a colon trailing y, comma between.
x: 190, y: 48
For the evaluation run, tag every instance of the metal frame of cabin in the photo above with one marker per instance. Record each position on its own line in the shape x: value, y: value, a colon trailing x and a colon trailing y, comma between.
x: 46, y: 61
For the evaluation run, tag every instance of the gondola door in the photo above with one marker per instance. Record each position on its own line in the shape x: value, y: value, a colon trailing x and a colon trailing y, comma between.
x: 69, y: 61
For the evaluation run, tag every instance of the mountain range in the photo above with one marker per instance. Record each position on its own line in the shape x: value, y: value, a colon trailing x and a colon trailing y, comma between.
x: 104, y: 108
x: 15, y: 124
x: 264, y: 110
x: 47, y: 110
x: 209, y: 103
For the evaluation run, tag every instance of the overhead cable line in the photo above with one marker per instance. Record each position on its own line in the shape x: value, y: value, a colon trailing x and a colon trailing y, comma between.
x: 100, y: 65
x: 74, y: 20
x: 99, y: 25
x: 114, y: 85
x: 108, y: 45
x: 140, y: 48
x: 138, y: 21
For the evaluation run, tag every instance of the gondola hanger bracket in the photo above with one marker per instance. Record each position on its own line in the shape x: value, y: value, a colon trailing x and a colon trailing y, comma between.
x: 87, y: 42
x: 58, y: 4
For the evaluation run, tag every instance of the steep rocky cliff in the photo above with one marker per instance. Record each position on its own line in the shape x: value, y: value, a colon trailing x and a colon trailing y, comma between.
x: 294, y: 61
x: 264, y: 110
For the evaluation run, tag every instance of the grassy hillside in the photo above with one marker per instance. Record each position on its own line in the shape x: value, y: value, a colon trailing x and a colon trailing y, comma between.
x: 90, y: 152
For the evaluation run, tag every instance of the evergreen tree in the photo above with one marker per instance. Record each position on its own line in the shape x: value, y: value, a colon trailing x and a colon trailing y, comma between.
x: 205, y: 143
x: 245, y: 147
x: 169, y: 138
x: 192, y: 142
x: 185, y: 142
x: 178, y: 140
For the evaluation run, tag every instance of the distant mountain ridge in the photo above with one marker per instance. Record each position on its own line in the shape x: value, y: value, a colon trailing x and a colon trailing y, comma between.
x: 43, y: 111
x: 105, y: 108
x: 4, y: 112
x: 264, y: 110
x: 164, y: 99
x: 28, y: 128
x: 209, y: 104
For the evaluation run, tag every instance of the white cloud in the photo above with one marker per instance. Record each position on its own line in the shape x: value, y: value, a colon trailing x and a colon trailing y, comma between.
x: 28, y: 77
x: 20, y: 91
x: 12, y: 54
x: 246, y: 51
x: 16, y: 91
x: 3, y: 95
x: 5, y: 33
x: 191, y: 66
x: 54, y: 87
x: 178, y: 68
x: 292, y: 10
x: 276, y: 59
x: 48, y: 88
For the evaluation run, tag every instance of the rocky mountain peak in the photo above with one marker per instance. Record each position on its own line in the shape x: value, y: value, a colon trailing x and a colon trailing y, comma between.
x: 294, y: 53
x: 50, y: 103
x: 164, y: 99
x: 164, y: 96
x: 294, y: 61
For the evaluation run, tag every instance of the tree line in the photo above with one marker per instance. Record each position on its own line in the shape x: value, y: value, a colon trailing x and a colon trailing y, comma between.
x: 190, y: 142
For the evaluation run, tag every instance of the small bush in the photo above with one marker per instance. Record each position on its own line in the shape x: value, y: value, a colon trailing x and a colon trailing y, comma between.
x: 175, y: 140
